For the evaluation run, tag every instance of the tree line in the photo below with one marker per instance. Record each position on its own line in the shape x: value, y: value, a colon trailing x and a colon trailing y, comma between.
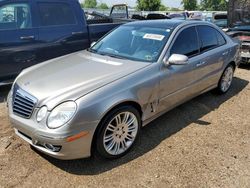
x: 93, y: 4
x: 156, y: 5
x: 209, y: 5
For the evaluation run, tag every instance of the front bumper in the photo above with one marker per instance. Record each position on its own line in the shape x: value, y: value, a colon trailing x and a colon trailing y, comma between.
x: 39, y: 137
x: 245, y: 52
x: 245, y: 58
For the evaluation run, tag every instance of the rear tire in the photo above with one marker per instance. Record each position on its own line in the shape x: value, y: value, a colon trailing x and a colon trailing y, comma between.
x: 226, y: 80
x: 117, y: 132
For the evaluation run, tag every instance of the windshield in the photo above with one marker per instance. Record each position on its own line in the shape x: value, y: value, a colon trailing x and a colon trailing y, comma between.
x: 221, y: 23
x: 133, y: 42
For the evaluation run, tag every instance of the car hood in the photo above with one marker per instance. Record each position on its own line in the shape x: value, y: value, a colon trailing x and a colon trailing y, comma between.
x: 242, y: 36
x: 243, y: 28
x: 72, y: 76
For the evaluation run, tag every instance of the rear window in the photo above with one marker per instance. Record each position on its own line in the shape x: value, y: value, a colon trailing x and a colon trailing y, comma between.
x: 53, y: 14
x: 221, y: 39
x: 208, y: 37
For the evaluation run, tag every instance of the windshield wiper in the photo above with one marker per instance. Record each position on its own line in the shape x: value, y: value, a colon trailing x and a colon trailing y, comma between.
x: 91, y: 50
x: 111, y: 55
x: 116, y: 56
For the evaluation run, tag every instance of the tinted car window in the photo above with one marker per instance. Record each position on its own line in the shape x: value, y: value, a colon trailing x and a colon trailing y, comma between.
x: 15, y: 16
x: 186, y: 43
x: 56, y: 14
x: 208, y: 37
x: 221, y: 39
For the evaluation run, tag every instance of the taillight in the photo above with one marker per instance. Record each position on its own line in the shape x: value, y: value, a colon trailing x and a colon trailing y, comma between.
x: 244, y: 38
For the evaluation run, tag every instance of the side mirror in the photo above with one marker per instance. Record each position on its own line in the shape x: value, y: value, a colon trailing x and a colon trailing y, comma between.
x: 176, y: 59
x: 92, y: 44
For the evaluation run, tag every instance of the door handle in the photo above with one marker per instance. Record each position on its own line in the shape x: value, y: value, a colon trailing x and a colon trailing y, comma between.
x: 77, y: 33
x: 225, y: 53
x: 201, y: 63
x: 27, y: 37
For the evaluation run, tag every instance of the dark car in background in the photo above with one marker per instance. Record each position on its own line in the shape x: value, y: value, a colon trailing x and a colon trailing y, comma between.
x: 239, y: 25
x: 32, y: 31
x: 178, y: 15
x: 220, y: 19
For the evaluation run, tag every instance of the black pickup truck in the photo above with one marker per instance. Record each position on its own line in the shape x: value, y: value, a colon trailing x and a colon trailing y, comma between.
x: 32, y: 31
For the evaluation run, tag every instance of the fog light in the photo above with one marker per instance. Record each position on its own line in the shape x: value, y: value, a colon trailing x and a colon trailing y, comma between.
x: 52, y: 147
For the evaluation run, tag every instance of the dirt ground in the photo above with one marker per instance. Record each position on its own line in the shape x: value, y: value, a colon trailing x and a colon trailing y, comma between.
x: 202, y: 143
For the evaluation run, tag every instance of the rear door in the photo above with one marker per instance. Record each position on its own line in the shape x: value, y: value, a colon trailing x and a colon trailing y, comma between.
x: 17, y: 36
x: 214, y: 50
x: 61, y: 29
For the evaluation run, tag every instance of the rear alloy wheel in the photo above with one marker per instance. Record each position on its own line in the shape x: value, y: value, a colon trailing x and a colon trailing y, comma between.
x: 118, y: 133
x: 226, y: 80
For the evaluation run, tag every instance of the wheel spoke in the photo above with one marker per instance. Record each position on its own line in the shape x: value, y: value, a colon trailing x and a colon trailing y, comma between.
x: 111, y: 127
x: 111, y: 145
x: 126, y: 117
x: 117, y: 147
x: 118, y: 119
x: 131, y: 121
x: 132, y: 128
x: 123, y: 144
x: 129, y: 137
x: 108, y: 138
x: 224, y: 86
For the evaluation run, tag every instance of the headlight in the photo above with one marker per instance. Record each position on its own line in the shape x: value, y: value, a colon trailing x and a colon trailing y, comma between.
x: 41, y: 113
x: 61, y: 114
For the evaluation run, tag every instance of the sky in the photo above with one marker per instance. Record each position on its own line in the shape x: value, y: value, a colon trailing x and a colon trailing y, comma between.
x: 132, y: 3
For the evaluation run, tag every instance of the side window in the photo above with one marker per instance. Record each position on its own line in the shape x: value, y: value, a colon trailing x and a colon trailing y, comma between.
x: 186, y: 43
x: 53, y: 14
x: 220, y: 38
x: 15, y: 16
x: 208, y: 37
x: 119, y: 11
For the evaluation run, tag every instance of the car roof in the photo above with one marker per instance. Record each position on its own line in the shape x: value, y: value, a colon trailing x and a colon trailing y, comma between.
x: 164, y: 23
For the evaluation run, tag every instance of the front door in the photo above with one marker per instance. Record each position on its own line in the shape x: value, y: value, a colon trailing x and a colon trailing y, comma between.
x: 178, y: 82
x: 60, y: 31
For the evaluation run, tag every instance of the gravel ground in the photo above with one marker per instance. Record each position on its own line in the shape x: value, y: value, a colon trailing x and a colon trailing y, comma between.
x: 202, y: 143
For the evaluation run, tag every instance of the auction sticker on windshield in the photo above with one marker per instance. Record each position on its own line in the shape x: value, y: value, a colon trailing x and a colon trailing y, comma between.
x: 153, y: 36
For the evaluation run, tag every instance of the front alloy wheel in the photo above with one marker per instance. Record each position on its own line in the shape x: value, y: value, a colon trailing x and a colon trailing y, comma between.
x: 118, y: 132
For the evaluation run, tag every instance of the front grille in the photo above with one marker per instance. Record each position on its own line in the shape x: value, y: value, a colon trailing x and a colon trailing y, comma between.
x: 245, y: 47
x: 23, y: 103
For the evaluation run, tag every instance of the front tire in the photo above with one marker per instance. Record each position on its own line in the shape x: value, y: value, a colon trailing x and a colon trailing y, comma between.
x: 118, y: 132
x: 226, y: 80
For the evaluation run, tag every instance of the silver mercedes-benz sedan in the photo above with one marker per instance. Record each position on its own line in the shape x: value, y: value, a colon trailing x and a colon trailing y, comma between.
x: 96, y: 101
